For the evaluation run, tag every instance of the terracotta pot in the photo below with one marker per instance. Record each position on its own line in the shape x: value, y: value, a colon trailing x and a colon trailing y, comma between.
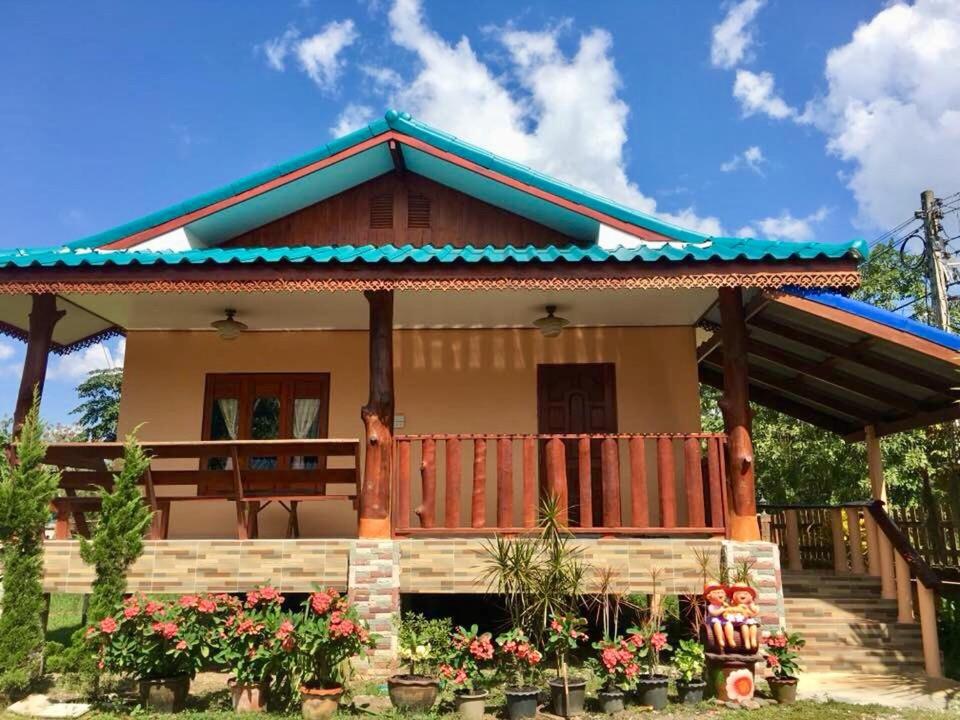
x: 521, y: 702
x: 570, y: 703
x: 783, y: 689
x: 611, y: 701
x: 416, y: 693
x: 652, y: 691
x: 248, y: 698
x: 164, y: 695
x: 690, y: 693
x: 320, y: 703
x: 471, y: 703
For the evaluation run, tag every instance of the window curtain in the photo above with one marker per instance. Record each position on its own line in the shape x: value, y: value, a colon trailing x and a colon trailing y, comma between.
x: 229, y: 410
x: 305, y: 414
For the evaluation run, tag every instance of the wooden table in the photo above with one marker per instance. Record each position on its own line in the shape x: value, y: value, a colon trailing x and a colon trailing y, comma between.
x: 84, y: 468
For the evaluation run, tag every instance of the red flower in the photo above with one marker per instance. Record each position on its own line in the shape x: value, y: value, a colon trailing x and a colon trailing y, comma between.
x: 169, y: 630
x: 773, y: 661
x: 154, y: 607
x: 182, y: 645
x: 320, y: 602
x: 189, y: 601
x: 207, y: 606
x: 658, y: 640
x: 131, y: 611
x: 482, y: 648
x: 108, y: 625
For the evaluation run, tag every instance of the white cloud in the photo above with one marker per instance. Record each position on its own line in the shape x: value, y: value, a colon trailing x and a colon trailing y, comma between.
x: 733, y: 36
x: 384, y: 79
x: 351, y: 117
x: 77, y: 365
x: 318, y: 55
x: 752, y: 159
x: 6, y: 351
x: 756, y: 94
x: 892, y: 108
x: 785, y: 226
x: 561, y: 114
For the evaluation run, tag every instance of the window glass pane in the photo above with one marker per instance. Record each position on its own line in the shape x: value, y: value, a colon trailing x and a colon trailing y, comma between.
x: 265, y: 425
x: 306, y: 424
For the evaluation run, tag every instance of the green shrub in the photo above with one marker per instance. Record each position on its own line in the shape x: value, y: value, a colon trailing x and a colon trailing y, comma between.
x: 26, y: 489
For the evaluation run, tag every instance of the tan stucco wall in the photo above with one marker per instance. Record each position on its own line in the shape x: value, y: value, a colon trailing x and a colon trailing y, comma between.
x: 446, y: 381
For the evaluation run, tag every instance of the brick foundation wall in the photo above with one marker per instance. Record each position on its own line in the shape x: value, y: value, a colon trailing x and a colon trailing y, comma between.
x: 768, y: 581
x: 374, y: 585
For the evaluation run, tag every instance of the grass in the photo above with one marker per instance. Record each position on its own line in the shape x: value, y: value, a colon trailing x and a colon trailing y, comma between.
x: 66, y: 615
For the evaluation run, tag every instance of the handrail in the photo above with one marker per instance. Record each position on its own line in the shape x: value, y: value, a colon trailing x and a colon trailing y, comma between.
x: 814, y: 506
x: 901, y: 543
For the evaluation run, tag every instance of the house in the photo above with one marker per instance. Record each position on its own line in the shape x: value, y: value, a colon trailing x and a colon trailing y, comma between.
x: 353, y: 365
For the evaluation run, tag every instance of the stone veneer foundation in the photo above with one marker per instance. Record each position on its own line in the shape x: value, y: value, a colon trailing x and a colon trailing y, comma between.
x: 376, y: 572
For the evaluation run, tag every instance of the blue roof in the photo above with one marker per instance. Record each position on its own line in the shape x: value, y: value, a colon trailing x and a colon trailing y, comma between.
x: 884, y: 317
x: 718, y: 249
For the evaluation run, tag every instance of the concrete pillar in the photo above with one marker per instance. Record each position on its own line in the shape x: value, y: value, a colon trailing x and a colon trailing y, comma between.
x: 927, y: 602
x: 791, y: 534
x: 374, y: 587
x: 856, y: 544
x: 839, y: 544
x: 904, y: 590
x: 766, y: 576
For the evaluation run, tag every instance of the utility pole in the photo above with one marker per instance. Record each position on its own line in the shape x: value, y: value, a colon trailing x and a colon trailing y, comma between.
x: 933, y: 250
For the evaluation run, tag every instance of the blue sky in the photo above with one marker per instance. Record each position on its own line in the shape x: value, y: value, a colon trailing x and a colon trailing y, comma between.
x: 765, y: 117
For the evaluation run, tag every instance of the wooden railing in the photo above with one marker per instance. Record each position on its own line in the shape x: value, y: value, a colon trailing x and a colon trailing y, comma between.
x: 863, y: 540
x: 627, y: 484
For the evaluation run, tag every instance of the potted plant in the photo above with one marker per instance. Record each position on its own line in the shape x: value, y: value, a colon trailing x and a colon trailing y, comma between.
x: 567, y: 694
x: 420, y: 642
x: 617, y: 668
x: 518, y: 662
x: 651, y: 685
x: 158, y: 644
x: 689, y: 660
x: 471, y: 653
x: 328, y: 633
x: 254, y: 638
x: 782, y: 660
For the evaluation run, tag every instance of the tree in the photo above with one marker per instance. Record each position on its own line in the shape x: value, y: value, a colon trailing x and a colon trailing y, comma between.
x: 26, y: 489
x: 100, y: 406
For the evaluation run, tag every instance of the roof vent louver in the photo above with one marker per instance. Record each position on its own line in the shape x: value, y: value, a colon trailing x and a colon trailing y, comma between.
x: 418, y: 211
x: 381, y: 212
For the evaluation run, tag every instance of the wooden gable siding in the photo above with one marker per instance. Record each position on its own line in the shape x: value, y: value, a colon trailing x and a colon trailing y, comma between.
x: 452, y: 218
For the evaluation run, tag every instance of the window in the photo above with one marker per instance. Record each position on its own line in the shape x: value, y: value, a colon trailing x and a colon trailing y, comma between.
x: 266, y: 406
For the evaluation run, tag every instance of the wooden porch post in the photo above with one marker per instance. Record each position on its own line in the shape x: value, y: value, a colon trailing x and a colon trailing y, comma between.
x: 878, y: 487
x: 735, y: 405
x: 377, y: 416
x: 43, y: 317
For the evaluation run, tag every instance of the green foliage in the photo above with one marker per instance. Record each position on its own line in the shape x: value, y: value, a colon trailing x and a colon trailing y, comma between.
x: 422, y: 642
x: 117, y: 541
x: 26, y: 490
x: 100, y: 406
x: 689, y: 660
x: 782, y: 653
x: 470, y: 654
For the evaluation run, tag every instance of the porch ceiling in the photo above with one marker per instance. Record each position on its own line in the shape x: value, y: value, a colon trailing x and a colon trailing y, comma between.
x: 841, y: 365
x: 91, y: 314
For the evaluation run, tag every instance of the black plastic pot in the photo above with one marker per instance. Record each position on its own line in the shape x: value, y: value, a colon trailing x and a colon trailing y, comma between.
x: 690, y: 693
x: 611, y: 701
x: 521, y: 702
x: 569, y: 703
x: 652, y: 691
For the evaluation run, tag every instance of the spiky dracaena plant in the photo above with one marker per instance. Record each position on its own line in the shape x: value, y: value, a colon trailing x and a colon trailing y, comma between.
x: 27, y: 487
x: 117, y: 541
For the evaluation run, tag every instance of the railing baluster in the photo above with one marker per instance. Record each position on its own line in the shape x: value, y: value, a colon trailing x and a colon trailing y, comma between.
x: 403, y: 484
x: 639, y: 508
x: 557, y: 476
x: 856, y: 549
x: 478, y: 506
x: 529, y: 482
x: 428, y: 483
x: 504, y: 482
x: 585, y: 473
x: 665, y: 480
x: 715, y: 482
x: 610, y: 468
x: 693, y: 480
x: 451, y: 515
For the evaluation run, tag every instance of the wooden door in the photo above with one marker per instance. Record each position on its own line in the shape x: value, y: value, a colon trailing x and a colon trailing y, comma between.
x: 578, y: 399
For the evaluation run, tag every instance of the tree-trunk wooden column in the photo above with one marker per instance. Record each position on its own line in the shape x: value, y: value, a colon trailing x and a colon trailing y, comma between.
x: 377, y: 416
x: 735, y: 404
x: 43, y: 318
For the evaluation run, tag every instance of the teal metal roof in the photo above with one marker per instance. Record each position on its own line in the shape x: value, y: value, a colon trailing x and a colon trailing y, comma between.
x: 722, y: 249
x: 375, y: 160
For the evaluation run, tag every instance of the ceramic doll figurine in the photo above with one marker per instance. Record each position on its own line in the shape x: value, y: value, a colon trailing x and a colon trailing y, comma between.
x: 744, y: 614
x: 715, y: 595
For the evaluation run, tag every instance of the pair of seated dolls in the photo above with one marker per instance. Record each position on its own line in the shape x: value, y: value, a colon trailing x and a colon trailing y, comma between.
x: 731, y: 612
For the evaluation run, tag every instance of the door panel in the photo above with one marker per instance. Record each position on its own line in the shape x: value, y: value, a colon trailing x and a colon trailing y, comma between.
x: 578, y: 399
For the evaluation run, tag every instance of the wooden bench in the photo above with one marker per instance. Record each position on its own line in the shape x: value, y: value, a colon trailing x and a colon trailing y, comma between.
x: 250, y: 490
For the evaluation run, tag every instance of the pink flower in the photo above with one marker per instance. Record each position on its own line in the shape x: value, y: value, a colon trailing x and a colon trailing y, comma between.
x: 610, y: 658
x: 773, y: 661
x: 182, y: 645
x: 481, y: 648
x: 320, y: 602
x: 207, y: 606
x: 285, y: 629
x: 131, y: 611
x: 189, y: 601
x: 658, y: 640
x: 108, y: 625
x: 154, y: 607
x: 169, y: 630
